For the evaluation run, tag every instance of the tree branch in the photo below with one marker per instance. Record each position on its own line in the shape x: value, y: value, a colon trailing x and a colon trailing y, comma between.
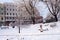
x: 27, y: 8
x: 52, y: 6
x: 58, y: 10
x: 49, y: 9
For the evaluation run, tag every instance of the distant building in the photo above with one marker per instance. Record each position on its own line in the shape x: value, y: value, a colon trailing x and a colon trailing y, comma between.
x: 10, y: 12
x: 1, y: 13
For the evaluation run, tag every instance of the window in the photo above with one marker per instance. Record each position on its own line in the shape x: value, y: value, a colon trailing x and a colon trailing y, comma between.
x: 10, y: 9
x: 1, y: 8
x: 13, y: 17
x: 16, y: 13
x: 13, y: 9
x: 7, y: 8
x: 1, y: 18
x: 10, y: 17
x: 10, y: 13
x: 13, y: 13
x: 7, y: 13
x: 1, y: 13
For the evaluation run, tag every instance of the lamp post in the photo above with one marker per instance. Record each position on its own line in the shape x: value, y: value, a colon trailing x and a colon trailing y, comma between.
x: 19, y: 25
x: 18, y: 22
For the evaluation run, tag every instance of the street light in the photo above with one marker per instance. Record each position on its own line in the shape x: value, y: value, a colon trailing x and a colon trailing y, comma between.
x: 18, y: 22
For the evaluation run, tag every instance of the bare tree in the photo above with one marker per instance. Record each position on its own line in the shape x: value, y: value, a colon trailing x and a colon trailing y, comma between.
x: 18, y: 21
x: 53, y: 7
x: 31, y: 9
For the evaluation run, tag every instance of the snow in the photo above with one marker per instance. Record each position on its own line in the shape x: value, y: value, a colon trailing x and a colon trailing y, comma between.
x: 31, y: 32
x: 34, y: 29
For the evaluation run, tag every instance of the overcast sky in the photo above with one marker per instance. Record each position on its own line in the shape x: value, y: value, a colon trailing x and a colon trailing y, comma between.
x: 42, y: 9
x: 6, y: 0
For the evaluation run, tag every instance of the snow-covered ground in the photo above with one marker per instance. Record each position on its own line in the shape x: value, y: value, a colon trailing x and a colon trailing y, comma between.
x: 31, y: 32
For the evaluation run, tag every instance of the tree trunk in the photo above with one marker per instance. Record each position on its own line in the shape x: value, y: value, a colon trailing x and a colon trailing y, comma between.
x: 33, y: 20
x: 56, y: 18
x: 19, y: 29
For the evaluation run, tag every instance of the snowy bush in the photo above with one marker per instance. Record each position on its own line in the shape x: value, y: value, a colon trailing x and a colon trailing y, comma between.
x: 46, y: 24
x: 4, y: 27
x: 53, y: 25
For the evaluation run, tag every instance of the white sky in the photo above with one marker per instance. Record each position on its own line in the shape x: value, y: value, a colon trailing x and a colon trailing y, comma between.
x: 6, y: 0
x: 42, y: 9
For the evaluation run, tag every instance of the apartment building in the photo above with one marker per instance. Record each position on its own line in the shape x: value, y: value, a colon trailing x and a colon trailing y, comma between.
x: 10, y: 12
x: 1, y: 14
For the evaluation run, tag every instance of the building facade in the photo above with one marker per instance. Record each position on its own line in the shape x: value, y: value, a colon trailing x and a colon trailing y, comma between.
x: 10, y: 12
x: 1, y: 13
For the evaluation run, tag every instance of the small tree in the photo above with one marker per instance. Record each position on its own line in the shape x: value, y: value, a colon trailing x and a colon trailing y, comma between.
x: 53, y: 7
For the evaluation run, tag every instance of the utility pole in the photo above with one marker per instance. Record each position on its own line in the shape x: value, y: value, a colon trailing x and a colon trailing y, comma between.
x: 19, y: 25
x: 18, y: 20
